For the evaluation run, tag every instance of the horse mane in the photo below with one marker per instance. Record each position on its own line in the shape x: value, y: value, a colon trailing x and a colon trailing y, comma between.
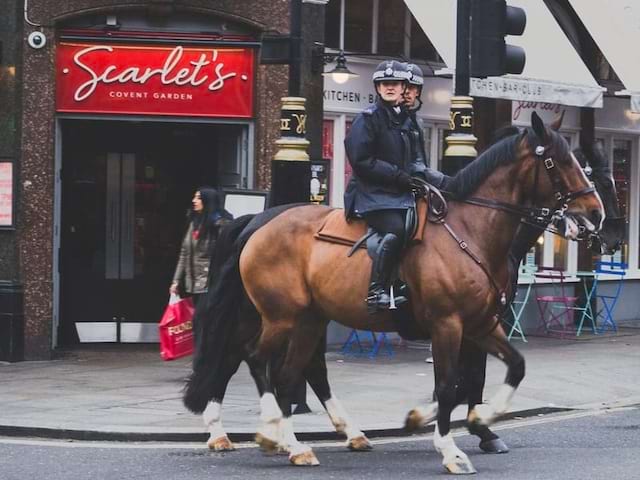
x: 502, y: 152
x: 467, y: 180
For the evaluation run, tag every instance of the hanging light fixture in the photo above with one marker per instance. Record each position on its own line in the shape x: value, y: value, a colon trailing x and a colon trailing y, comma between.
x: 340, y: 73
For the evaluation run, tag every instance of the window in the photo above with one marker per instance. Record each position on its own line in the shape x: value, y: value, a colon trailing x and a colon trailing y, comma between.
x: 391, y: 28
x: 332, y: 24
x: 358, y: 22
x: 327, y: 140
x: 397, y: 33
x: 622, y: 175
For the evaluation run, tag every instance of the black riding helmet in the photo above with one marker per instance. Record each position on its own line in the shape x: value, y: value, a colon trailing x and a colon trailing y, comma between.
x: 417, y: 77
x: 390, y: 71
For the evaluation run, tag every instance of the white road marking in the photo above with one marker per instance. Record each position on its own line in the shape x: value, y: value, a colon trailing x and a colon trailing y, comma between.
x: 507, y: 425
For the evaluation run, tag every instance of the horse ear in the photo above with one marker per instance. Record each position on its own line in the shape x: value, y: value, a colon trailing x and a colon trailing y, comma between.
x: 538, y: 127
x: 557, y: 123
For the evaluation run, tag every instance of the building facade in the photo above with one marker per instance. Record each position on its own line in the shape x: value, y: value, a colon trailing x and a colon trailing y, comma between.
x: 113, y: 114
x: 370, y: 30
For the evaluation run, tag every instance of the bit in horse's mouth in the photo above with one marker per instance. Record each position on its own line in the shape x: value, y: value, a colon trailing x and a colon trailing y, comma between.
x: 585, y: 224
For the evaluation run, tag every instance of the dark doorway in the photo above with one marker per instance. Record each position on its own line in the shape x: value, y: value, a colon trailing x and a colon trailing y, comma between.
x: 126, y: 188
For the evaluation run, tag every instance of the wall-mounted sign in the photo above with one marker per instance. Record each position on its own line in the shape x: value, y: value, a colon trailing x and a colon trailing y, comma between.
x: 6, y: 194
x: 521, y: 113
x: 156, y: 80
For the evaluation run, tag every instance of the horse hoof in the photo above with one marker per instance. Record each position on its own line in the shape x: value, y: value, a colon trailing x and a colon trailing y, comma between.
x: 460, y: 467
x: 221, y: 444
x: 494, y: 446
x: 359, y: 444
x: 414, y: 421
x: 304, y: 459
x: 266, y: 444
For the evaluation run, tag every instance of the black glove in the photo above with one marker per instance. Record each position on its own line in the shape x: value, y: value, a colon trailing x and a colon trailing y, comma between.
x: 403, y: 181
x: 417, y: 186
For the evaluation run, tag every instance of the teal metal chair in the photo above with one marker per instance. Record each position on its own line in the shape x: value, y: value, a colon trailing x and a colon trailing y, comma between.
x: 589, y: 282
x: 609, y: 302
x: 517, y: 306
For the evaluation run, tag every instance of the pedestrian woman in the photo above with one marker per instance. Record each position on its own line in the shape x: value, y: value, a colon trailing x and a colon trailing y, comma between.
x: 205, y: 220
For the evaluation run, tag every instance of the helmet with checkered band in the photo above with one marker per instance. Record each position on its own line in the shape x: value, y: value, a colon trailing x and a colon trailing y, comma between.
x: 390, y: 71
x: 417, y: 77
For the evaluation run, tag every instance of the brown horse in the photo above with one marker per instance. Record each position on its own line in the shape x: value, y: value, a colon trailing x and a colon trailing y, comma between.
x: 297, y: 283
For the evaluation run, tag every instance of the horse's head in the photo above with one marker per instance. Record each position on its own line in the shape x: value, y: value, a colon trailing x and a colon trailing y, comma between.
x: 596, y: 167
x: 564, y: 188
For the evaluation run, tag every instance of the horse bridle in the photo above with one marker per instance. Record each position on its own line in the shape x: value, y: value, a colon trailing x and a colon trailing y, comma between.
x: 539, y: 216
x: 616, y: 220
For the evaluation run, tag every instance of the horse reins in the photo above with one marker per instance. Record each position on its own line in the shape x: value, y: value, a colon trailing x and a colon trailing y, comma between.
x: 537, y: 215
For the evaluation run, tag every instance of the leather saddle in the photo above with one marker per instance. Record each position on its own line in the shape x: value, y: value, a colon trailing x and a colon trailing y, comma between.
x: 355, y: 233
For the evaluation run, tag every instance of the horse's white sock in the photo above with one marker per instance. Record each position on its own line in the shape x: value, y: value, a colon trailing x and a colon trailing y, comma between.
x: 341, y: 420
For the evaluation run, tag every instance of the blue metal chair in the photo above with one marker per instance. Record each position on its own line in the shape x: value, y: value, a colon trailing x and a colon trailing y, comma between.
x: 609, y: 302
x: 517, y: 306
x: 379, y: 342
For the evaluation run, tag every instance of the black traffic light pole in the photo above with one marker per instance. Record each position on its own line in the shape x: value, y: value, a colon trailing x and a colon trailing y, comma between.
x: 461, y: 143
x: 481, y: 52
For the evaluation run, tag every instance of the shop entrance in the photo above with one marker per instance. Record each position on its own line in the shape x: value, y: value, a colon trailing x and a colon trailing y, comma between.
x: 125, y: 190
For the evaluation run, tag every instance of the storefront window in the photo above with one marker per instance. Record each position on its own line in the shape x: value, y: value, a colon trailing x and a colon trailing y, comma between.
x: 560, y: 244
x: 391, y: 28
x: 327, y: 140
x: 358, y: 23
x: 7, y: 82
x: 622, y: 176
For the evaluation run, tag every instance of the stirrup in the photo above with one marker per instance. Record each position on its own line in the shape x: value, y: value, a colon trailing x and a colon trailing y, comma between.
x: 377, y: 300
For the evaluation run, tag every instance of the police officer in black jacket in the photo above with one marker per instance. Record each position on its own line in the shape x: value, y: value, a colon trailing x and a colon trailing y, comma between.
x: 413, y: 104
x: 381, y: 154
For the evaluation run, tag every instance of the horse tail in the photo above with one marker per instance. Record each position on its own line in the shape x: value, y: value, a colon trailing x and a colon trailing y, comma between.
x: 217, y: 316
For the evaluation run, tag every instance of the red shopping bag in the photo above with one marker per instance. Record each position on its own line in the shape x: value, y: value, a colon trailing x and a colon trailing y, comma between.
x: 176, y: 329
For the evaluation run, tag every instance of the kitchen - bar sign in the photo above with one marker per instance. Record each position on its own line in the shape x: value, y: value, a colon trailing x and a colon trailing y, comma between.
x: 155, y: 80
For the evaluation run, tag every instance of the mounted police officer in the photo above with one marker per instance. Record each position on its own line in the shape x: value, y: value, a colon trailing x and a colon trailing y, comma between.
x: 380, y: 149
x: 413, y: 103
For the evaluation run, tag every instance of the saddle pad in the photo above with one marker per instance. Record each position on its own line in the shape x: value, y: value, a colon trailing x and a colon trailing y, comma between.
x: 336, y: 229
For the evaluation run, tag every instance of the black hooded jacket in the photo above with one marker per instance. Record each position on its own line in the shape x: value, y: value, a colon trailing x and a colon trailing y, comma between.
x: 380, y: 152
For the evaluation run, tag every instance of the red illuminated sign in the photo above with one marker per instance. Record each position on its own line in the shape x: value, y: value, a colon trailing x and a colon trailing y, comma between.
x: 156, y: 80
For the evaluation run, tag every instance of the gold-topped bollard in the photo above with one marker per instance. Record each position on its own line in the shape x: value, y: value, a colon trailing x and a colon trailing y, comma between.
x: 290, y: 167
x: 461, y: 143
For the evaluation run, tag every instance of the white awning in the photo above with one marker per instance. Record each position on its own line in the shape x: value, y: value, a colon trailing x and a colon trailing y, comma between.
x: 553, y: 73
x: 615, y: 27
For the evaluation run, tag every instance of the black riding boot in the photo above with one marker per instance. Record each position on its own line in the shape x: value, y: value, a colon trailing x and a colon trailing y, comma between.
x: 378, y: 297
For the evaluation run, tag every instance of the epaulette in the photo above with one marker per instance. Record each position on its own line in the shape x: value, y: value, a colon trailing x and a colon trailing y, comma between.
x: 370, y: 109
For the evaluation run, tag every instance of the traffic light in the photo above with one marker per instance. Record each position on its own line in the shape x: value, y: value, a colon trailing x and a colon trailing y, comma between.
x: 491, y: 56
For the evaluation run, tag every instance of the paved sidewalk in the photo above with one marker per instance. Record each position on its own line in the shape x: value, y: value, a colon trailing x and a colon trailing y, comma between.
x: 126, y: 391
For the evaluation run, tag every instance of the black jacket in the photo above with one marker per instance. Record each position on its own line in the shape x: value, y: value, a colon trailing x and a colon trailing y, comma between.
x: 379, y: 150
x: 420, y: 165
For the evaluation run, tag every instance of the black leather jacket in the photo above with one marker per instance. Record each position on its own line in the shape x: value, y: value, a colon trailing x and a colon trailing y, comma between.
x: 420, y: 164
x: 380, y: 152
